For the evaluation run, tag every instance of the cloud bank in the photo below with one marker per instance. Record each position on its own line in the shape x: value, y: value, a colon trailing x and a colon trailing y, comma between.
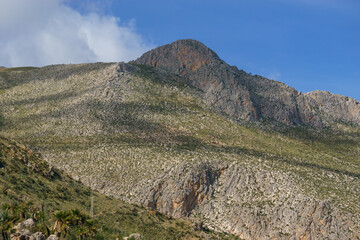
x: 43, y: 32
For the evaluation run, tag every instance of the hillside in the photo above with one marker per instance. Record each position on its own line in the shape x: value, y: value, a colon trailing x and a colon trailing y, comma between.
x: 26, y: 178
x: 176, y: 139
x: 246, y: 96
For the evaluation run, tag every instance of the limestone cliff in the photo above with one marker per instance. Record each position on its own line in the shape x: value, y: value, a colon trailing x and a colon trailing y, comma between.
x: 242, y: 95
x: 245, y: 200
x: 335, y: 107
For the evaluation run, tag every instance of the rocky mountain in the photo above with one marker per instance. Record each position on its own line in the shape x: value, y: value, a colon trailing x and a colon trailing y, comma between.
x: 335, y: 107
x: 181, y: 132
x: 243, y: 95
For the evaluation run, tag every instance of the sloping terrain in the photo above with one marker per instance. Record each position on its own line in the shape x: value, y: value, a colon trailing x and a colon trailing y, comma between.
x: 173, y: 138
x: 25, y: 177
x: 243, y: 95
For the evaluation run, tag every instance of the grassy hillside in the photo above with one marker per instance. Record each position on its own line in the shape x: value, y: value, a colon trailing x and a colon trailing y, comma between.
x: 26, y: 178
x: 111, y: 128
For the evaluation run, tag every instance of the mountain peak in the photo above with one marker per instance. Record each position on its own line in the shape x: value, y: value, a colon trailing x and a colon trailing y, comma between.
x: 180, y: 57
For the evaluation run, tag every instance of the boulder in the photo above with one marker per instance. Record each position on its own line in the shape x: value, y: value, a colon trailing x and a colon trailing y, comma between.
x: 52, y: 237
x: 133, y: 236
x: 28, y: 223
x: 37, y: 236
x: 21, y: 234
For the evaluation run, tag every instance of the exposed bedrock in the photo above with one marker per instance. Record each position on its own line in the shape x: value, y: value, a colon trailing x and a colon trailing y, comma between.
x: 244, y: 200
x: 246, y: 96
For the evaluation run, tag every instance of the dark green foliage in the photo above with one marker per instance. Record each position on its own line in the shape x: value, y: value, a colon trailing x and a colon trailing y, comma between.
x: 2, y: 121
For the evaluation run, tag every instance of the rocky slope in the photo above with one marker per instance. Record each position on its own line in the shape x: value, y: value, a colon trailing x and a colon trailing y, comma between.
x: 27, y: 179
x: 243, y: 95
x: 154, y: 136
x: 248, y: 201
x: 335, y: 107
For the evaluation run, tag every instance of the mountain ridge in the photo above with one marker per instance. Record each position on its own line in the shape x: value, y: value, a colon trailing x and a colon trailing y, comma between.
x: 149, y: 136
x: 237, y: 93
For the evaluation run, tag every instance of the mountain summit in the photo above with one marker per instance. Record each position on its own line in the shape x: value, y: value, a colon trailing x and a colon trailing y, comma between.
x: 245, y: 96
x: 180, y: 57
x: 163, y: 132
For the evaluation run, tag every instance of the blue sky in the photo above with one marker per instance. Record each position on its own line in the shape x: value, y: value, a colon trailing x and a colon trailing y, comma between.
x: 307, y: 44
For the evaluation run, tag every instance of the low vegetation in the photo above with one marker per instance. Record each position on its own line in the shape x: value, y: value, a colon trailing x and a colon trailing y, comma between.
x: 59, y: 205
x: 111, y: 129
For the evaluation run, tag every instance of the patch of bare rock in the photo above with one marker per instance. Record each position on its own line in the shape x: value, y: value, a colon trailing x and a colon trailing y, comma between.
x: 247, y: 201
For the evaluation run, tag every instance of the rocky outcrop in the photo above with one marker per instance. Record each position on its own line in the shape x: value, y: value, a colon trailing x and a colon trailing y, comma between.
x: 53, y: 237
x: 27, y: 224
x: 24, y: 234
x: 206, y: 71
x: 242, y: 95
x: 181, y: 57
x: 246, y: 201
x: 22, y: 231
x: 334, y: 107
x: 277, y: 101
x: 133, y: 236
x: 178, y: 191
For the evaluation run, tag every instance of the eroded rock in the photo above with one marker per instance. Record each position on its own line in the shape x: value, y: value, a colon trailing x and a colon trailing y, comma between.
x: 247, y: 201
x: 180, y: 190
x: 245, y: 96
x: 52, y: 237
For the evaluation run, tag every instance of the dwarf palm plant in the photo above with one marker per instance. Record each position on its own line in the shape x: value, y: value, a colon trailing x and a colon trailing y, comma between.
x: 7, y: 220
x: 41, y: 222
x: 61, y: 224
x: 90, y: 228
x: 81, y: 232
x: 22, y: 209
x: 77, y: 218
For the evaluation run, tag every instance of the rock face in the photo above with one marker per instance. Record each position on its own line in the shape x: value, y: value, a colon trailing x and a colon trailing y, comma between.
x: 180, y: 190
x: 206, y: 71
x: 249, y: 202
x: 242, y: 95
x: 335, y: 107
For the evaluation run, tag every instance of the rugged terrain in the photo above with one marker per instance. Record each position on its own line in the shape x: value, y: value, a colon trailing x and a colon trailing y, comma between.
x: 180, y: 131
x: 27, y: 178
x: 243, y: 95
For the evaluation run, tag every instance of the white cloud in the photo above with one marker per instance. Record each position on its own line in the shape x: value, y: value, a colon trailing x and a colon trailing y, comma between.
x: 43, y: 32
